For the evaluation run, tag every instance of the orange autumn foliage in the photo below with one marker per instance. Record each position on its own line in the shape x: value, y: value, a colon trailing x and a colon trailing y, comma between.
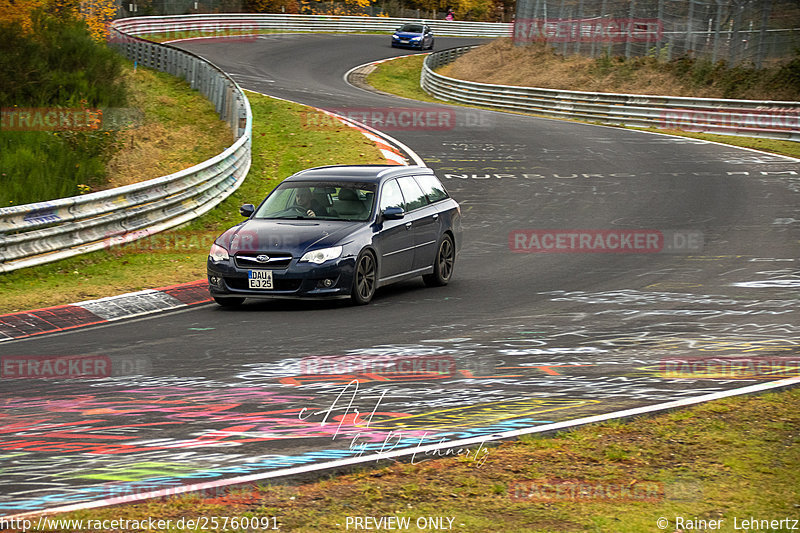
x: 96, y: 13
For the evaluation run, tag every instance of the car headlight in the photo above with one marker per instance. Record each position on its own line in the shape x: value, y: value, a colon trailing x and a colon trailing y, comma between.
x: 320, y: 256
x: 218, y: 253
x: 416, y: 38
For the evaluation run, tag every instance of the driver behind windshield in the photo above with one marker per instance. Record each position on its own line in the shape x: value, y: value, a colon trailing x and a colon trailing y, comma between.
x: 310, y: 205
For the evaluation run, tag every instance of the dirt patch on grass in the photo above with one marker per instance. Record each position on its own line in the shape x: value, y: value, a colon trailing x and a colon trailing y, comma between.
x: 178, y: 128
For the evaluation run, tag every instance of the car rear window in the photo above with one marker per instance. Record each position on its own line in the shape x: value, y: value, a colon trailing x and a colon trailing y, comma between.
x: 414, y: 196
x: 432, y: 187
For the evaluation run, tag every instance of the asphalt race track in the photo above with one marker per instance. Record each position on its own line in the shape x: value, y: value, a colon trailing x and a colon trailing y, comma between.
x: 518, y: 340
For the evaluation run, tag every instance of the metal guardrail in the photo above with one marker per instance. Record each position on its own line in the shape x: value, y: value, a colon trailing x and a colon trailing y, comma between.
x: 42, y: 232
x: 749, y: 118
x: 39, y: 233
x: 250, y: 22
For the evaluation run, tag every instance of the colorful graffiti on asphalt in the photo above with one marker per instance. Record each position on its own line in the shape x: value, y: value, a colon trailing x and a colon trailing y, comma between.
x: 63, y: 442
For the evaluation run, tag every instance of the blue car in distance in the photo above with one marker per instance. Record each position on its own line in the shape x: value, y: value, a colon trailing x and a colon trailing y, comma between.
x: 339, y: 232
x: 413, y: 35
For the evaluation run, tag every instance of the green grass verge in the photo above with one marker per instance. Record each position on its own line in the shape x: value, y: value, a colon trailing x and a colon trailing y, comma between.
x: 282, y: 145
x: 737, y: 458
x: 401, y: 77
x: 39, y: 165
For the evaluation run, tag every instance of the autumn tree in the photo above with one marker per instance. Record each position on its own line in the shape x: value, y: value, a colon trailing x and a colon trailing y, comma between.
x: 96, y: 13
x: 272, y: 6
x: 20, y: 12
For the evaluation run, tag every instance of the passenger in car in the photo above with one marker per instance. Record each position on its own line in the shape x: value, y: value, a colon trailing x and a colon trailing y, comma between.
x: 350, y: 205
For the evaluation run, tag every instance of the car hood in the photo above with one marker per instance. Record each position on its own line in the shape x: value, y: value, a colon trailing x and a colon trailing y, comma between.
x: 293, y: 236
x: 406, y: 34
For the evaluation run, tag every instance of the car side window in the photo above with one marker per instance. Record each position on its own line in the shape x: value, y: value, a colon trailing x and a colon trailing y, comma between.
x: 432, y: 187
x: 391, y: 196
x: 414, y: 196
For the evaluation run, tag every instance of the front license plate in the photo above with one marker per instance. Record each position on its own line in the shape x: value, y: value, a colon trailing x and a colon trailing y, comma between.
x: 403, y: 41
x: 259, y: 279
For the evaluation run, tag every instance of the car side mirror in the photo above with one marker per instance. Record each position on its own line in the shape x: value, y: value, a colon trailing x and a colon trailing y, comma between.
x: 247, y: 210
x: 393, y: 213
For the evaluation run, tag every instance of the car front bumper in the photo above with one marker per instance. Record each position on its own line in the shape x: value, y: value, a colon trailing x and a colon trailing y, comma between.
x: 331, y: 279
x: 410, y: 44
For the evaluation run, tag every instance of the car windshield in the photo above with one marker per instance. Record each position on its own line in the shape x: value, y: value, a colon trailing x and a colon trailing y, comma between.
x: 350, y: 201
x: 411, y: 28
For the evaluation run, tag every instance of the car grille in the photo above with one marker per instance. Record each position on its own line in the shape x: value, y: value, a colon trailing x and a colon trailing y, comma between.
x: 276, y: 260
x: 240, y: 284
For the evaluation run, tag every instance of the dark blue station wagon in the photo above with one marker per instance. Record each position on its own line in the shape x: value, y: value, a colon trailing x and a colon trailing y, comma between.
x: 339, y: 231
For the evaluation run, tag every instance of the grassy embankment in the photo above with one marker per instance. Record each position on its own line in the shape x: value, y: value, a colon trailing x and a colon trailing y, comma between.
x: 501, y: 63
x: 737, y: 458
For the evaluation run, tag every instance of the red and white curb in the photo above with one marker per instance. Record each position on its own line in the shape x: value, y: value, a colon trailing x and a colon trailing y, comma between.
x: 93, y: 312
x: 378, y: 62
x: 383, y: 142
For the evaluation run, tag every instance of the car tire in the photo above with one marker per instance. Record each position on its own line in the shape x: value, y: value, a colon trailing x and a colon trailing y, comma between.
x: 443, y: 264
x: 229, y: 302
x: 365, y: 278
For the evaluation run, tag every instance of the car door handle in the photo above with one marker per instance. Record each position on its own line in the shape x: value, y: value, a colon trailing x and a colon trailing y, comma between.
x: 408, y: 225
